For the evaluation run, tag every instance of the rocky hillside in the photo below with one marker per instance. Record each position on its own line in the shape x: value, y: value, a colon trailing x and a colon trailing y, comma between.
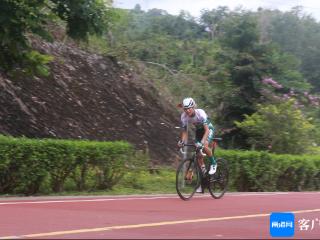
x: 88, y: 96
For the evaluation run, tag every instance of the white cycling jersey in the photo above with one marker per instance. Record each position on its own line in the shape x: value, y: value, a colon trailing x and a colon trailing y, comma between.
x: 198, y: 120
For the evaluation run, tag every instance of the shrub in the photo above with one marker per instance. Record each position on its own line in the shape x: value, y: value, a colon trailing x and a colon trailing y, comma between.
x: 26, y: 163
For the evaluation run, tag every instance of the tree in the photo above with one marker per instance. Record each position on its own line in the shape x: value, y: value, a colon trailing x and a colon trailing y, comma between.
x: 240, y: 64
x: 298, y: 34
x: 137, y: 8
x: 212, y: 20
x: 280, y: 128
x: 83, y: 17
x: 241, y: 31
x: 18, y: 18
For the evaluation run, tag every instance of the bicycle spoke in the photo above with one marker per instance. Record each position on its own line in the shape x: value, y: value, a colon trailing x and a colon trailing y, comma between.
x: 219, y: 181
x: 187, y: 179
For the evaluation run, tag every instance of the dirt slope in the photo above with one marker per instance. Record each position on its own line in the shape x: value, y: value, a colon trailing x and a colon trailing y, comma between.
x: 88, y: 96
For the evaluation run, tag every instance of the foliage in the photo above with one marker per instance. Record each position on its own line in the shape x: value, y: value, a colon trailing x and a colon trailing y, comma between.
x: 83, y: 17
x: 285, y: 68
x: 263, y: 171
x: 279, y: 128
x: 27, y: 164
x: 297, y: 34
x: 241, y: 32
x: 249, y: 171
x: 17, y: 18
x: 20, y: 18
x: 213, y: 19
x: 240, y: 64
x: 159, y: 180
x: 155, y: 36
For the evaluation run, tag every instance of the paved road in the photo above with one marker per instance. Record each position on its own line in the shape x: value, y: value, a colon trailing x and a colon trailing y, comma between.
x: 236, y: 215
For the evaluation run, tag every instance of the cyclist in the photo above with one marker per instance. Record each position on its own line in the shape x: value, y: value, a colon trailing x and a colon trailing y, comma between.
x: 204, y: 132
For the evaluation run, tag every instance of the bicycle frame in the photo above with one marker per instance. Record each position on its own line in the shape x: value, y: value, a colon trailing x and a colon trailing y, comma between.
x: 198, y: 154
x: 186, y: 184
x: 199, y: 151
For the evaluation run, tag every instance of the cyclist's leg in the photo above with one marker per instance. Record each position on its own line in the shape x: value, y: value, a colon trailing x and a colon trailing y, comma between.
x: 189, y: 174
x: 199, y: 135
x: 208, y: 146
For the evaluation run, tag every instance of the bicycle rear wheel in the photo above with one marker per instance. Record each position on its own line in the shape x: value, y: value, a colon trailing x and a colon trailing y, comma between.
x: 187, y: 179
x: 219, y: 181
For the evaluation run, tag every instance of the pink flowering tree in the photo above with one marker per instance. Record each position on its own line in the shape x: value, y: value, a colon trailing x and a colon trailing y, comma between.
x: 284, y: 121
x: 276, y: 91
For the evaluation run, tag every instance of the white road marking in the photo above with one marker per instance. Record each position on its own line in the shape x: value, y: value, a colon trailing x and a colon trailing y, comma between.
x: 143, y: 225
x: 128, y: 198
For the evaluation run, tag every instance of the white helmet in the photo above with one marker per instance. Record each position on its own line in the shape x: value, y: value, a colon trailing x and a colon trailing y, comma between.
x: 188, y: 103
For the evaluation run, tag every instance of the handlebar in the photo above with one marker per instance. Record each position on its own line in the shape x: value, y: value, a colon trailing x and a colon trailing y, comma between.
x: 192, y: 145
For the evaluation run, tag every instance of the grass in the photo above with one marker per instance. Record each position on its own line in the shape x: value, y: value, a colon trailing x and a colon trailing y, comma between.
x: 162, y: 180
x: 138, y: 182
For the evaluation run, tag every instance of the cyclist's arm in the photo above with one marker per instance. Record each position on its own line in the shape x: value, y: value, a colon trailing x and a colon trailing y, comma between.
x: 184, y: 135
x: 206, y: 133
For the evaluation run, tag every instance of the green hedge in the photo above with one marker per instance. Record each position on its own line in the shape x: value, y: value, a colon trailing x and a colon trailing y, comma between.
x: 263, y: 171
x: 28, y: 165
x: 31, y: 166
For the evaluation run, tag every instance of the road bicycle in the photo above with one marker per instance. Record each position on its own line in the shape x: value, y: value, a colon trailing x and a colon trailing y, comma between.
x: 189, y: 175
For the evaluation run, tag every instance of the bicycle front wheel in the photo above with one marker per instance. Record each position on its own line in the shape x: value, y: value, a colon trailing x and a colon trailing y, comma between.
x: 187, y: 179
x: 219, y: 181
